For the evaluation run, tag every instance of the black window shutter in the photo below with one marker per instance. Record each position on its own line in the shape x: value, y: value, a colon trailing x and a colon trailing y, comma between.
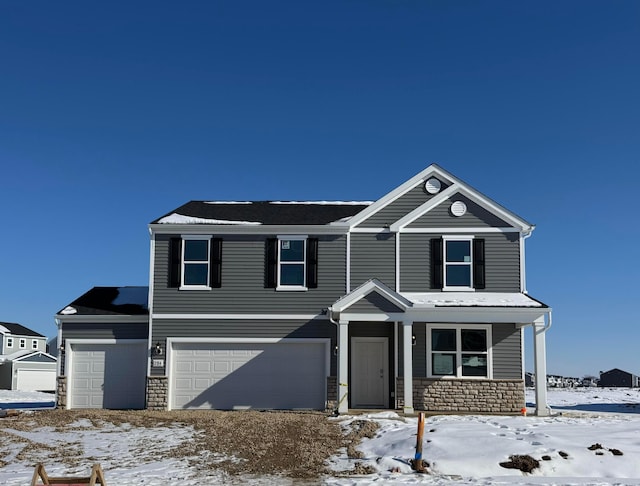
x: 478, y: 263
x: 175, y: 263
x: 271, y: 263
x: 436, y: 263
x: 215, y: 263
x: 312, y: 263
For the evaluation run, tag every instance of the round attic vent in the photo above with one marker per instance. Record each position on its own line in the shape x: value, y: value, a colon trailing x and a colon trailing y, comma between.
x: 458, y: 208
x: 433, y: 186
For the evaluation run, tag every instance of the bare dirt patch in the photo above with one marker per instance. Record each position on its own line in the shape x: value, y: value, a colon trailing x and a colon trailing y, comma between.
x: 293, y: 444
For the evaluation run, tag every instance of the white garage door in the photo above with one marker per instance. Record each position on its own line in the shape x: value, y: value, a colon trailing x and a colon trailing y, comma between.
x: 36, y: 380
x: 283, y: 375
x: 108, y: 375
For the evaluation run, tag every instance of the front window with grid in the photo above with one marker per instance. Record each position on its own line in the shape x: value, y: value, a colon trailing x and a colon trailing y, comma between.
x: 34, y: 344
x: 292, y: 262
x: 23, y: 343
x: 9, y: 342
x: 460, y: 352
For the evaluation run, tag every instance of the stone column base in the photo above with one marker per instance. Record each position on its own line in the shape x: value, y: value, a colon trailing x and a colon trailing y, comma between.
x: 61, y: 392
x: 157, y: 388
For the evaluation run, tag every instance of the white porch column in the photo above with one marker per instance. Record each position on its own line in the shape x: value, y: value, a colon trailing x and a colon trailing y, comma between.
x: 343, y: 366
x: 540, y: 363
x: 407, y: 365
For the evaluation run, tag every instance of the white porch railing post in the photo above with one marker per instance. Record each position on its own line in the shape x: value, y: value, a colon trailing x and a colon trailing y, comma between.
x: 540, y: 363
x: 407, y: 365
x: 343, y: 366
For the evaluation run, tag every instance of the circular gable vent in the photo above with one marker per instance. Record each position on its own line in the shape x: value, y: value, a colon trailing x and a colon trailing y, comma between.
x: 433, y: 186
x: 458, y: 208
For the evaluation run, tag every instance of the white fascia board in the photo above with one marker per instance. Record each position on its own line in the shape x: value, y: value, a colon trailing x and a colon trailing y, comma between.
x: 488, y: 315
x: 461, y: 230
x: 373, y: 317
x: 243, y: 340
x: 278, y: 317
x: 495, y: 208
x: 424, y: 208
x: 207, y: 229
x: 365, y: 289
x: 22, y: 358
x: 398, y: 192
x: 98, y: 319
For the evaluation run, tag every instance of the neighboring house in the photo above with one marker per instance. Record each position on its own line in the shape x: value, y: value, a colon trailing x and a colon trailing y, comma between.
x: 24, y: 362
x: 529, y: 379
x: 415, y: 301
x: 617, y: 377
x: 103, y: 338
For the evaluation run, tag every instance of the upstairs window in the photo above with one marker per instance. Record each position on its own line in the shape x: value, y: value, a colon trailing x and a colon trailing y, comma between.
x: 9, y: 342
x: 457, y: 263
x: 34, y: 344
x: 195, y: 262
x: 291, y: 263
x: 23, y: 343
x: 458, y: 351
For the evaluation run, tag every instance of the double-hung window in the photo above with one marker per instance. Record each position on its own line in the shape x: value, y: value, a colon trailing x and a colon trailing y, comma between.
x: 457, y: 263
x: 34, y: 344
x: 9, y: 342
x: 195, y: 261
x: 292, y: 253
x: 23, y: 343
x: 459, y: 351
x: 291, y: 263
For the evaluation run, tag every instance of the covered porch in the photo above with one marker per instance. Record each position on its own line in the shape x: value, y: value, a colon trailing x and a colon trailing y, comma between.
x: 388, y: 354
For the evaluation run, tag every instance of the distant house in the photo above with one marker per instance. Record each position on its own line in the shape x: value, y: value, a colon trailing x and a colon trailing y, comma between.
x: 24, y: 361
x: 617, y: 377
x: 529, y: 379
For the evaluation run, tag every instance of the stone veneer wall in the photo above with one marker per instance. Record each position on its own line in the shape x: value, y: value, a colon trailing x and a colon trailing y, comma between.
x: 61, y: 392
x: 451, y: 395
x: 157, y: 388
x: 332, y: 392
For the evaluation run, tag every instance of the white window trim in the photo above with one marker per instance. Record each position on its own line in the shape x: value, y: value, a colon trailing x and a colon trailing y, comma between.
x: 23, y: 343
x: 34, y: 344
x: 9, y: 342
x: 294, y: 288
x: 185, y: 238
x: 454, y: 288
x: 458, y: 328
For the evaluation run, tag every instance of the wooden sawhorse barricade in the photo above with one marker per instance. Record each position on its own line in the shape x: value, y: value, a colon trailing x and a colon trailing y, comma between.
x: 96, y: 477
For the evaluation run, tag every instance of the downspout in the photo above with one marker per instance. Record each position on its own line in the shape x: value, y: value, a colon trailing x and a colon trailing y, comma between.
x: 523, y: 273
x: 59, y: 356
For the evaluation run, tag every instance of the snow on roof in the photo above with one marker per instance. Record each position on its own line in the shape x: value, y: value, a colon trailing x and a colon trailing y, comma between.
x: 68, y: 310
x: 3, y: 329
x: 326, y: 203
x: 175, y: 218
x: 471, y: 299
x: 227, y: 202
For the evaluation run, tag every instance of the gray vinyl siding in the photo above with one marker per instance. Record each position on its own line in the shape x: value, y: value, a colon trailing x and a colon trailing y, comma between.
x: 373, y: 256
x: 507, y: 349
x: 502, y: 262
x: 78, y: 330
x: 6, y: 376
x: 242, y: 328
x: 415, y: 262
x: 374, y: 303
x: 475, y: 217
x: 399, y: 208
x: 243, y: 278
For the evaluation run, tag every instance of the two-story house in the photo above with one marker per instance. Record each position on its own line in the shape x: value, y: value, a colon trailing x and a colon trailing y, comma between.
x: 24, y: 361
x: 415, y: 301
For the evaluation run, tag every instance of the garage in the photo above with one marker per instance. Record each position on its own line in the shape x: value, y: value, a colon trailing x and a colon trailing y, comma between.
x: 287, y: 374
x: 36, y: 379
x: 108, y: 375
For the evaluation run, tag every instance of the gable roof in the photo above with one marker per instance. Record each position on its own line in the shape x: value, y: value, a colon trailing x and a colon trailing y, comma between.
x: 17, y: 329
x: 263, y: 212
x: 110, y: 301
x: 371, y: 286
x: 457, y: 186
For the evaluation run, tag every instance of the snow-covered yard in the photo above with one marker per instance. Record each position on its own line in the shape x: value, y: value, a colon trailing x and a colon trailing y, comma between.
x: 595, y: 439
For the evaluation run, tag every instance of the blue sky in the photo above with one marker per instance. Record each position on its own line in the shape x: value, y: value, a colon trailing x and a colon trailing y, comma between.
x: 114, y: 113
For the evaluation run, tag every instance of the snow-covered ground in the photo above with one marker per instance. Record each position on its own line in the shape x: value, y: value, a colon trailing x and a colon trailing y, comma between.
x: 459, y: 449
